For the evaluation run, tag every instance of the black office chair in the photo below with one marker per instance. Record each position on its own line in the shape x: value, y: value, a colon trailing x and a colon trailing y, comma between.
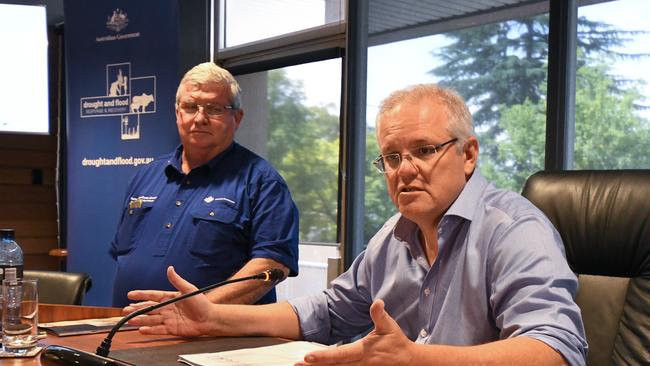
x: 55, y: 287
x: 604, y: 220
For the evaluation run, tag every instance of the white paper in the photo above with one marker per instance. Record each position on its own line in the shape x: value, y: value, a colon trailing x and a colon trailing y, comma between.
x: 98, y: 322
x: 285, y: 354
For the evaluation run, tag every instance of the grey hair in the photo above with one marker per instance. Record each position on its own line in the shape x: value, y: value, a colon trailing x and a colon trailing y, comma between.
x: 211, y: 73
x: 460, y: 119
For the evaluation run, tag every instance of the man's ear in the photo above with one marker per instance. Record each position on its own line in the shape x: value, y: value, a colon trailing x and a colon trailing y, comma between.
x: 177, y: 112
x: 470, y: 155
x: 239, y: 115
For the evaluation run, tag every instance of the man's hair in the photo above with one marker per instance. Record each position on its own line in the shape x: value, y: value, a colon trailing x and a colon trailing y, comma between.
x: 458, y: 115
x: 210, y: 73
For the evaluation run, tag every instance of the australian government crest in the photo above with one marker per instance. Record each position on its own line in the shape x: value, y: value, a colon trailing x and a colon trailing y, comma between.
x: 116, y: 23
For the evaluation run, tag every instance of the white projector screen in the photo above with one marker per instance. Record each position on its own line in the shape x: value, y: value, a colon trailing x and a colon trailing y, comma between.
x: 23, y: 69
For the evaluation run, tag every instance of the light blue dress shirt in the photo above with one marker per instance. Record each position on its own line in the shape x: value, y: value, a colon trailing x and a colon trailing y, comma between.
x: 500, y: 273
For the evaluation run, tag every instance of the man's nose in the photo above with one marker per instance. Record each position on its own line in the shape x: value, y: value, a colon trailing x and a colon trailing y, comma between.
x: 407, y: 168
x: 200, y: 115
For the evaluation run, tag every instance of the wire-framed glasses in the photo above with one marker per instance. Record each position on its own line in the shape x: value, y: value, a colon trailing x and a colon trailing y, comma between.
x: 209, y: 109
x: 390, y: 162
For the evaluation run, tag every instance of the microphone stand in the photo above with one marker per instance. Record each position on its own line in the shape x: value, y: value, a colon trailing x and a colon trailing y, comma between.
x: 61, y: 355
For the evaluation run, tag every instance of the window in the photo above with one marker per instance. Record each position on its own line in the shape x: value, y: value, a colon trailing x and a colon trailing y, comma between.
x: 500, y: 70
x: 252, y: 20
x: 23, y: 69
x: 612, y: 124
x: 297, y: 130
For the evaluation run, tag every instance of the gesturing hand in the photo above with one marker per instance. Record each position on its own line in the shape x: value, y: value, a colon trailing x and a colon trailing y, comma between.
x: 384, y: 345
x: 185, y: 318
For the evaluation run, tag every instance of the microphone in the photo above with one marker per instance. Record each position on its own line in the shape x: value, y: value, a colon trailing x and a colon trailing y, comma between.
x: 54, y: 355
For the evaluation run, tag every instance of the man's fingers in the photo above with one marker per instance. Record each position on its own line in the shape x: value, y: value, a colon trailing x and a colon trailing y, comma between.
x: 137, y: 306
x: 146, y: 320
x: 348, y: 353
x: 383, y: 322
x: 179, y: 282
x: 151, y: 295
x: 156, y: 330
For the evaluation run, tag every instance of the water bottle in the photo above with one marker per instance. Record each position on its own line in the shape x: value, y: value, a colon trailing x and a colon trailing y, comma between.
x: 11, y: 256
x: 10, y: 309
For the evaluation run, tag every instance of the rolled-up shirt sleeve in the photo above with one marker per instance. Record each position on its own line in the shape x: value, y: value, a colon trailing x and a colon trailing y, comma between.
x: 340, y: 312
x: 274, y: 225
x: 533, y: 288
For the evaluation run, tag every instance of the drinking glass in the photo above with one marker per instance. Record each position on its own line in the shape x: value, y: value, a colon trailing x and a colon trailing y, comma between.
x: 19, y: 315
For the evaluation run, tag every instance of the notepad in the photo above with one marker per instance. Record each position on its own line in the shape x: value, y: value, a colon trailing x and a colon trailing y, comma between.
x: 284, y: 354
x: 84, y: 326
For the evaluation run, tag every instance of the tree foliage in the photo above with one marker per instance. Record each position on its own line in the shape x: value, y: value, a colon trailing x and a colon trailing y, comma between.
x: 303, y: 145
x: 500, y: 69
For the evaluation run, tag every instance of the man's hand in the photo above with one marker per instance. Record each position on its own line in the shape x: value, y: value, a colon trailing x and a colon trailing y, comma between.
x: 187, y: 317
x: 385, y: 345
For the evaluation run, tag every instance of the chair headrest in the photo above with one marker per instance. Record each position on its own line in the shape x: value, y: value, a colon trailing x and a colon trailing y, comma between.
x: 602, y: 216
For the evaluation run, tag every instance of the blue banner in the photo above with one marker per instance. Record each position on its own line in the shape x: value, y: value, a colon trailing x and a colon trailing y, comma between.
x: 122, y: 70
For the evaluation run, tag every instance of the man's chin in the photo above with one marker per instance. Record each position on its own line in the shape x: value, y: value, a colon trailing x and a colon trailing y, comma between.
x: 415, y: 212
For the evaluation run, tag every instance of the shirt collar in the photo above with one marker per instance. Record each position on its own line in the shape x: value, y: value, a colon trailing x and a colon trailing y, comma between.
x: 174, y: 164
x: 468, y: 199
x: 464, y: 206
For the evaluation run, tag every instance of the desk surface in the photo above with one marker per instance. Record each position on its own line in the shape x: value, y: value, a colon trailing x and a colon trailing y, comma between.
x: 126, y: 340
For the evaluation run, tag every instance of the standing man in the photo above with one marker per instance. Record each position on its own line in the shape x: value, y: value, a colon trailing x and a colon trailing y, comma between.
x: 465, y: 274
x: 212, y: 209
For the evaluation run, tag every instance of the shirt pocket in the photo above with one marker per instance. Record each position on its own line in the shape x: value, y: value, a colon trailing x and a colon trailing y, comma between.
x: 130, y: 228
x: 217, y: 239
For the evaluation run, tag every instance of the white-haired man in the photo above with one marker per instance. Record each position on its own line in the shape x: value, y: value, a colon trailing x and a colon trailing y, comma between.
x: 211, y: 208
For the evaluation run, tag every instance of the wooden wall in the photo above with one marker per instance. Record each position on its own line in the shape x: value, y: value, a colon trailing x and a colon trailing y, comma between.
x: 28, y: 195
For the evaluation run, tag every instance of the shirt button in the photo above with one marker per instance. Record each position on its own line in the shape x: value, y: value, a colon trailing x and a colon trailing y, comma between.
x: 168, y: 225
x: 178, y: 203
x: 187, y: 182
x: 130, y: 212
x: 211, y: 213
x: 423, y: 333
x: 427, y: 292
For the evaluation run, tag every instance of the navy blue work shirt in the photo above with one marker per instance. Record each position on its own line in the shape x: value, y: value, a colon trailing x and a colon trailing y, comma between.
x: 208, y: 223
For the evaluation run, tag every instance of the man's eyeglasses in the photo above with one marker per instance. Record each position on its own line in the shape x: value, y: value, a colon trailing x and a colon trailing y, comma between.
x: 210, y: 110
x: 390, y: 162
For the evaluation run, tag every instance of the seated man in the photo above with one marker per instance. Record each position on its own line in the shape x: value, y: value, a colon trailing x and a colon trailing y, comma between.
x: 465, y: 274
x: 211, y: 208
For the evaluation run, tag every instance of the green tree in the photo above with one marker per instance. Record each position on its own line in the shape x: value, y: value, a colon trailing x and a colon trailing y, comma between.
x: 303, y: 145
x: 378, y: 206
x: 501, y: 68
x: 610, y: 134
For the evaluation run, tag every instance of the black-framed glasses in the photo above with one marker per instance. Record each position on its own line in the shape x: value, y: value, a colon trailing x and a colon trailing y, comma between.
x: 388, y: 163
x: 209, y: 109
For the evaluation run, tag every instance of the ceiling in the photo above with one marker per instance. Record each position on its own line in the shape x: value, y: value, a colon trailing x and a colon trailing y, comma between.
x: 384, y: 15
x: 390, y: 20
x: 387, y: 15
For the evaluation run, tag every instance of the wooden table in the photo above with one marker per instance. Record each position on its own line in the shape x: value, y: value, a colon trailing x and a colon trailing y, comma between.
x: 89, y: 342
x: 152, y: 347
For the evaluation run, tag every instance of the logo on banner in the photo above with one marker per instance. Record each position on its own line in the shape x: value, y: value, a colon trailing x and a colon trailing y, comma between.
x: 126, y: 97
x: 117, y: 21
